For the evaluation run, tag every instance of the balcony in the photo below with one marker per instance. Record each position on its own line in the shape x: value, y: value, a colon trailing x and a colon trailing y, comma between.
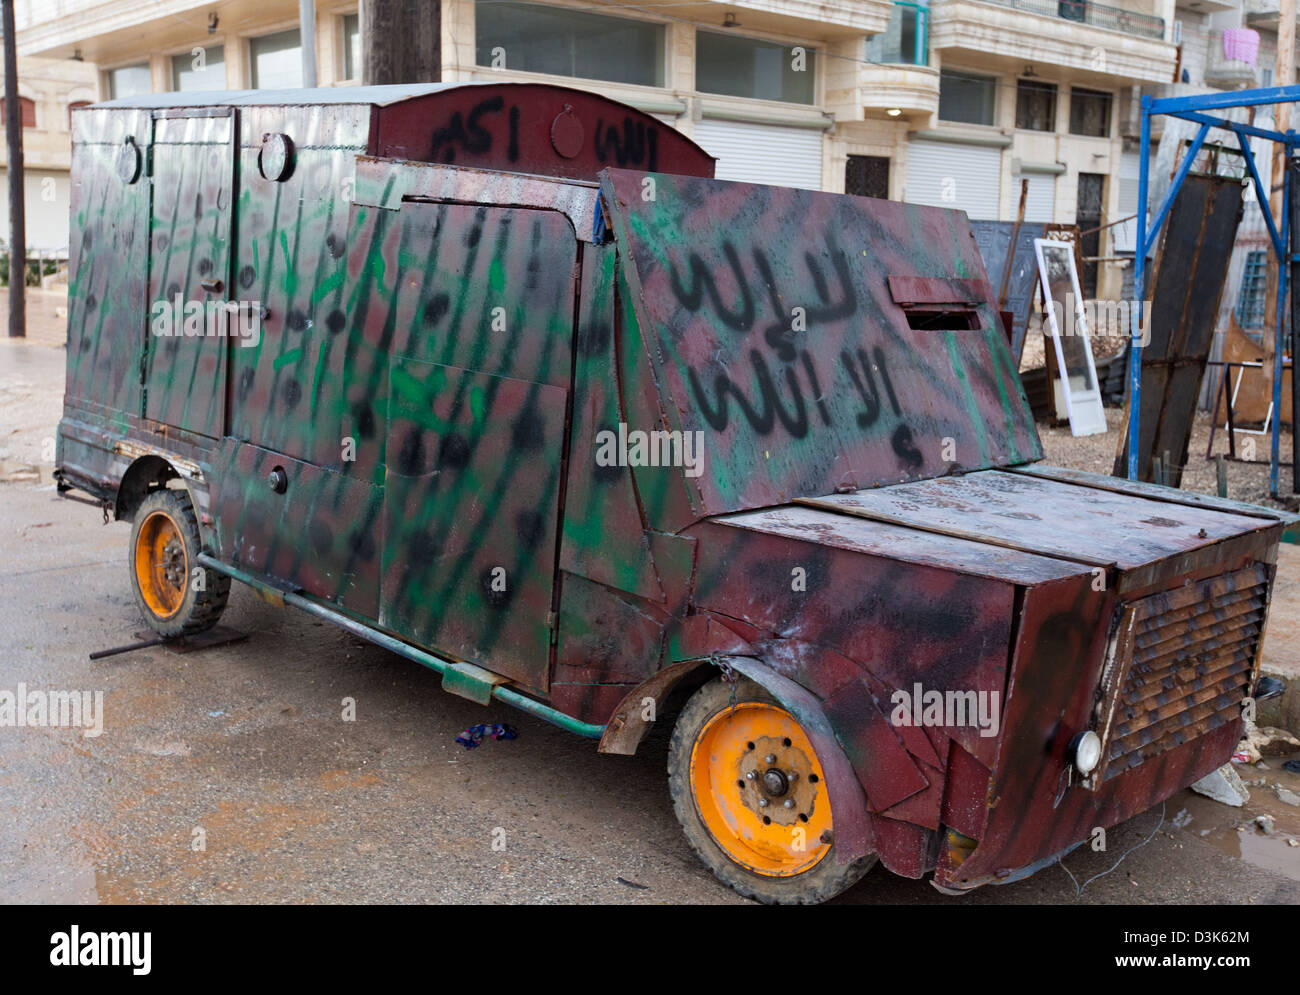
x: 889, y: 79
x: 1225, y: 72
x: 1109, y: 42
x: 1261, y: 14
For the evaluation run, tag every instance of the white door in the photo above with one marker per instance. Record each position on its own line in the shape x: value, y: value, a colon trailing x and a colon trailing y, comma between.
x: 947, y: 174
x: 764, y: 153
x: 1063, y: 304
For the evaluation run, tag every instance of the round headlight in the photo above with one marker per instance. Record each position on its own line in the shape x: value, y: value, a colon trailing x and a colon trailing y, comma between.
x: 1085, y: 750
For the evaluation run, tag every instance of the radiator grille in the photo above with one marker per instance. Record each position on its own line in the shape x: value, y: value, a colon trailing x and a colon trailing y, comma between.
x: 1191, y: 659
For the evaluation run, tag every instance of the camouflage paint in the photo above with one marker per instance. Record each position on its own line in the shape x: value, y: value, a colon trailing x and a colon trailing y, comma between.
x: 427, y: 439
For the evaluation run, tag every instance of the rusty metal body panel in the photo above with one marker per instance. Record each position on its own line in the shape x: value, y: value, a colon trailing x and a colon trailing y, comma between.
x: 1185, y: 291
x: 446, y: 350
x: 800, y: 367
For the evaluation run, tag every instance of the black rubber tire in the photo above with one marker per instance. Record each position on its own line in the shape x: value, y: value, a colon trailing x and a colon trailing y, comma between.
x: 820, y: 883
x: 201, y: 609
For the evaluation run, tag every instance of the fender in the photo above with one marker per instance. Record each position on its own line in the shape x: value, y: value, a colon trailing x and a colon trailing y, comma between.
x: 853, y: 827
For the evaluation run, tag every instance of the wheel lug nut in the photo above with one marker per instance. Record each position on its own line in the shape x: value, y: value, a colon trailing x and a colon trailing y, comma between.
x: 762, y: 803
x: 751, y: 775
x: 770, y: 759
x: 789, y: 803
x: 792, y: 775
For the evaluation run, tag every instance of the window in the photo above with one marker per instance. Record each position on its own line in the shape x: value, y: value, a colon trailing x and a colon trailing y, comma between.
x: 747, y: 67
x: 966, y: 98
x: 903, y: 42
x: 276, y: 60
x: 351, y: 46
x: 563, y: 42
x: 867, y: 176
x: 129, y: 81
x: 1035, y: 105
x: 75, y: 105
x: 1250, y: 301
x: 1090, y: 113
x: 26, y: 112
x: 201, y: 68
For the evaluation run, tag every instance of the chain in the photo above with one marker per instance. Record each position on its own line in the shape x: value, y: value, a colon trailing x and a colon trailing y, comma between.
x: 728, y: 676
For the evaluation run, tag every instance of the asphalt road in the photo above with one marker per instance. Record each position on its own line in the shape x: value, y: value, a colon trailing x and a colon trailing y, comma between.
x: 246, y: 743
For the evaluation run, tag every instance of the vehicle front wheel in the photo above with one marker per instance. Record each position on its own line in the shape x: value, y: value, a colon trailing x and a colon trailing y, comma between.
x: 177, y: 596
x: 751, y: 797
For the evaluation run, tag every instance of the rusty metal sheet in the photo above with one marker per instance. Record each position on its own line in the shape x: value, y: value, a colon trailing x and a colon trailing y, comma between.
x: 189, y: 272
x: 887, y: 771
x: 604, y: 537
x: 293, y: 389
x: 1049, y: 517
x: 836, y: 615
x: 1016, y: 285
x: 319, y: 534
x: 1186, y: 286
x: 898, y: 542
x: 771, y: 331
x: 534, y: 128
x: 108, y: 265
x: 471, y: 510
x: 609, y: 642
x: 1156, y: 492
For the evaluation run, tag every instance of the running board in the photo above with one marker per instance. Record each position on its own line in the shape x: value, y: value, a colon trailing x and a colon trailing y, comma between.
x: 460, y: 678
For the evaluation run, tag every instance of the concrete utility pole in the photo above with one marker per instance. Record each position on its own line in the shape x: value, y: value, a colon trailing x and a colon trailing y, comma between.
x: 307, y: 37
x: 401, y: 42
x: 17, y: 219
x: 1285, y: 76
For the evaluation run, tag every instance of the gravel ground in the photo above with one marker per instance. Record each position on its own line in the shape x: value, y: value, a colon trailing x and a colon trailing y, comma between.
x: 1246, y: 481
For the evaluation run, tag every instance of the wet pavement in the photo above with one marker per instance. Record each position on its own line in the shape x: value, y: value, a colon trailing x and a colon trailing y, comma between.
x: 244, y: 749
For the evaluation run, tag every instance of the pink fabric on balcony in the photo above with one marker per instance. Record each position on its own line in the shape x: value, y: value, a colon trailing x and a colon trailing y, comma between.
x: 1241, y: 44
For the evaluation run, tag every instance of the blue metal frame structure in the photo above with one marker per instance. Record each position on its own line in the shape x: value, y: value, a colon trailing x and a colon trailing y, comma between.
x: 1197, y: 109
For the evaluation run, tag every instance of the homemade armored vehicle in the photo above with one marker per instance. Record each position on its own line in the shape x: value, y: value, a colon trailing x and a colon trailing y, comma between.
x: 499, y: 377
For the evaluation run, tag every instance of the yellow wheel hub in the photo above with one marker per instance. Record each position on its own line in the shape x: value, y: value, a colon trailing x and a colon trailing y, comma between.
x: 760, y: 791
x: 161, y: 564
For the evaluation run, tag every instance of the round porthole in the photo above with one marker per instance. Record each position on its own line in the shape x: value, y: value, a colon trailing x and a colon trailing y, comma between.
x: 567, y: 133
x: 276, y: 157
x: 128, y: 161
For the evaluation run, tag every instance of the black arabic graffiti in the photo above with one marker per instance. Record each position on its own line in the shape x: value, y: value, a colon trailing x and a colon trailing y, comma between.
x: 626, y: 143
x: 638, y: 145
x: 784, y: 397
x: 778, y: 333
x: 467, y: 133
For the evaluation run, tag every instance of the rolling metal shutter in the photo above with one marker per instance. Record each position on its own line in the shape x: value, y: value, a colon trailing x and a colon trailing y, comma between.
x: 1040, y: 204
x: 950, y: 174
x: 764, y: 153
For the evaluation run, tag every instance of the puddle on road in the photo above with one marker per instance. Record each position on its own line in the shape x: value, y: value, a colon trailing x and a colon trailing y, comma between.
x: 1222, y: 825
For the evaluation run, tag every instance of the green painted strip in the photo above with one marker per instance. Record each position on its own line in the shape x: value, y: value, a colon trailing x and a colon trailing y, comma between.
x: 284, y: 359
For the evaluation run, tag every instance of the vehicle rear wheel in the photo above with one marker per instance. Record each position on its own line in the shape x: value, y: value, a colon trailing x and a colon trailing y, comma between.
x: 174, y: 599
x: 751, y: 797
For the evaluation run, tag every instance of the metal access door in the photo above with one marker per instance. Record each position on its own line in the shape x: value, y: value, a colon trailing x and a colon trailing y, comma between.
x: 192, y: 170
x: 480, y: 361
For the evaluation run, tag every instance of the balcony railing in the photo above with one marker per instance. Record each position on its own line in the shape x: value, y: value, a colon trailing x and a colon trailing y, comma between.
x: 1099, y: 15
x: 905, y: 42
